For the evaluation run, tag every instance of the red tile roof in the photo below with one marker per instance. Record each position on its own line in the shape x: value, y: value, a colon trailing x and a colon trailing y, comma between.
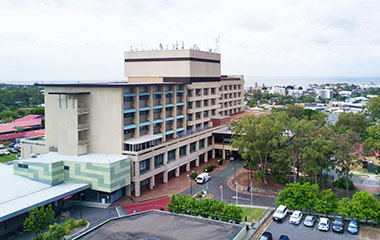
x: 34, y: 133
x: 25, y: 123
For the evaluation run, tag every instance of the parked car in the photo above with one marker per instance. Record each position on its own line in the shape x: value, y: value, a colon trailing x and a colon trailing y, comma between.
x: 338, y: 224
x: 283, y: 237
x: 266, y: 236
x: 353, y: 226
x: 17, y: 146
x: 12, y: 150
x: 280, y: 213
x: 1, y: 154
x: 5, y: 152
x: 202, y: 178
x: 11, y: 145
x: 296, y: 217
x: 324, y: 224
x: 1, y: 146
x: 309, y: 221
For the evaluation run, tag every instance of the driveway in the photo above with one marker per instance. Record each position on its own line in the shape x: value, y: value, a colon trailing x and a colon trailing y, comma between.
x: 229, y: 195
x: 300, y: 232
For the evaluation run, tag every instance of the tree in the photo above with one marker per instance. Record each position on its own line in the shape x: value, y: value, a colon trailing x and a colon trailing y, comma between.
x: 326, y: 202
x: 257, y: 136
x: 295, y: 111
x: 37, y: 110
x: 8, y: 115
x: 344, y: 207
x: 373, y: 108
x: 372, y: 142
x: 298, y: 196
x: 39, y: 219
x: 364, y: 206
x: 347, y: 153
x: 56, y: 232
x: 355, y: 122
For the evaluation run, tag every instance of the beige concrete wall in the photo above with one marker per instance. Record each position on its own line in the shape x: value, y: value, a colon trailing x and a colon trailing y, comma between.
x: 30, y: 146
x: 172, y: 68
x: 105, y: 120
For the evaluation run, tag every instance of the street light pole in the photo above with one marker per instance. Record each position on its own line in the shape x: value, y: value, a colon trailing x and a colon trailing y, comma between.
x: 191, y: 185
x: 80, y: 205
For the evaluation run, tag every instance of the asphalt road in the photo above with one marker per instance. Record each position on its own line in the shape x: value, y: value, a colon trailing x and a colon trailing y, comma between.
x: 300, y: 232
x: 229, y: 195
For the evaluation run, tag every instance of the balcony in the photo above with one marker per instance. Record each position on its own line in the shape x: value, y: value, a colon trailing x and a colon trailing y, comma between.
x: 83, y: 126
x: 82, y: 142
x: 82, y: 110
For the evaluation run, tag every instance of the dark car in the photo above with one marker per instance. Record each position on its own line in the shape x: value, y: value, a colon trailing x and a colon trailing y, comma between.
x: 283, y: 237
x: 338, y: 224
x: 12, y: 150
x: 353, y: 227
x: 11, y: 145
x: 266, y: 236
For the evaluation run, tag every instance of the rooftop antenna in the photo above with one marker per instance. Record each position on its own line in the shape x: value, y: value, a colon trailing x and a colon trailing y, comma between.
x: 183, y: 45
x: 173, y: 46
x: 161, y: 47
x: 176, y: 45
x: 217, y: 43
x: 131, y: 49
x: 167, y: 47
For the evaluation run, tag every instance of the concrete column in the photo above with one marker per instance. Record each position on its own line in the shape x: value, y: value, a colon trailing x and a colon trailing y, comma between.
x: 137, y: 169
x: 187, y: 166
x: 137, y: 189
x: 165, y: 176
x: 128, y: 190
x: 151, y: 164
x: 197, y: 162
x: 177, y: 154
x: 206, y: 157
x: 151, y: 182
x: 213, y: 153
x: 177, y: 172
x: 224, y: 154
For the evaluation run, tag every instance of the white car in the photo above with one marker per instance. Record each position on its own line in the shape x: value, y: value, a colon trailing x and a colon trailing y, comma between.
x: 202, y: 178
x: 296, y: 217
x: 280, y: 213
x: 324, y: 224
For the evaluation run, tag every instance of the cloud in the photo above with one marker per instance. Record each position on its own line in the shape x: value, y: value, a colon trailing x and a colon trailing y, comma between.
x: 85, y: 40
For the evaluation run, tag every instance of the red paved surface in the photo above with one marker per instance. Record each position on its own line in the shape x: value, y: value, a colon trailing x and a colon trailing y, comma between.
x: 157, y: 204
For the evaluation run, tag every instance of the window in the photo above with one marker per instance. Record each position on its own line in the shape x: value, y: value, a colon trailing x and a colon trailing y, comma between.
x: 205, y: 103
x: 157, y: 96
x: 144, y: 182
x: 205, y: 114
x: 201, y: 144
x: 182, y: 151
x: 157, y: 125
x: 144, y: 97
x: 144, y: 113
x: 213, y: 102
x: 23, y: 166
x: 198, y: 92
x: 230, y: 87
x: 171, y: 155
x: 126, y: 115
x: 169, y: 95
x: 198, y: 116
x: 209, y: 141
x: 190, y: 117
x: 66, y: 167
x: 213, y: 91
x: 158, y: 160
x: 128, y: 99
x: 205, y: 91
x: 198, y: 104
x: 190, y: 92
x: 129, y: 131
x: 157, y: 110
x: 190, y: 105
x: 213, y: 112
x: 144, y: 165
x: 192, y: 147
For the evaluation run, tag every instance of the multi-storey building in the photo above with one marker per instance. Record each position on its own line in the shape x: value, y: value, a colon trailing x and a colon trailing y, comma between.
x: 162, y: 118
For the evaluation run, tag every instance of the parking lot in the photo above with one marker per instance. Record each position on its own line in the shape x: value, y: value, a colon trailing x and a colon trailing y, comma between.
x: 300, y: 232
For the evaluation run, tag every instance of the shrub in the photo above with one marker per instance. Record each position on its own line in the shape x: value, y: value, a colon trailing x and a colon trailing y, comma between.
x: 211, y: 167
x: 194, y: 175
x: 205, y: 169
x: 378, y: 169
x: 220, y: 161
x: 81, y: 223
x: 341, y: 183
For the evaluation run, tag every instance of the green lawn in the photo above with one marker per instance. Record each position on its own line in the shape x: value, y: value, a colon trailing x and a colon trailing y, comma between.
x: 7, y: 158
x: 253, y: 214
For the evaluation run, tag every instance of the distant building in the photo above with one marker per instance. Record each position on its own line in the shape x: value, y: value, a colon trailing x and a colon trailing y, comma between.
x: 324, y: 93
x: 28, y: 126
x: 296, y: 93
x: 278, y: 90
x: 345, y: 93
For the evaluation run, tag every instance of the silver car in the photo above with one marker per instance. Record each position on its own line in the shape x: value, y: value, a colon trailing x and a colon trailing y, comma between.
x: 309, y: 221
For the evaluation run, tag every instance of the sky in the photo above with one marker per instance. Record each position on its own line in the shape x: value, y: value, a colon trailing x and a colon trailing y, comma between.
x: 85, y: 40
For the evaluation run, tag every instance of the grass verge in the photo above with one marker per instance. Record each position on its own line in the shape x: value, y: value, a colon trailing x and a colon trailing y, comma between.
x: 7, y: 158
x: 253, y: 214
